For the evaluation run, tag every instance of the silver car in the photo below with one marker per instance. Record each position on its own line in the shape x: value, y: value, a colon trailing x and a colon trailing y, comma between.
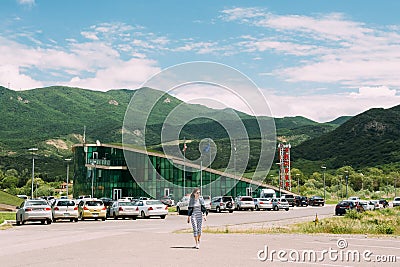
x: 124, y: 209
x: 65, y: 209
x: 182, y: 205
x: 263, y: 204
x: 280, y: 203
x: 244, y: 203
x: 34, y: 210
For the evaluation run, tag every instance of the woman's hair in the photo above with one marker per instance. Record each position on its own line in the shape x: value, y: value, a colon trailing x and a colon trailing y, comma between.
x: 194, y: 192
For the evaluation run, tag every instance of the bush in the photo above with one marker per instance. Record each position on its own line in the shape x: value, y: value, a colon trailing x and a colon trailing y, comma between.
x: 384, y: 228
x: 354, y: 215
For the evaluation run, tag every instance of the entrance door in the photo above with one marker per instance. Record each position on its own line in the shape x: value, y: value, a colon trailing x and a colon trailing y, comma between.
x: 249, y: 191
x: 166, y: 192
x: 117, y: 193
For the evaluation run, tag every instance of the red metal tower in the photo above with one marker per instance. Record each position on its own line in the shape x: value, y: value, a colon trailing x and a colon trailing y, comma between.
x: 285, y: 178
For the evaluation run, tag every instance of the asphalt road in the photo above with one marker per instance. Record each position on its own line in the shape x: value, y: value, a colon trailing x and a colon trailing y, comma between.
x: 152, y: 242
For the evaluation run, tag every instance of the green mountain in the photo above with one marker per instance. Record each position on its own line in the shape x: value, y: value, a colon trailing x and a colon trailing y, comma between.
x: 54, y: 118
x: 368, y: 139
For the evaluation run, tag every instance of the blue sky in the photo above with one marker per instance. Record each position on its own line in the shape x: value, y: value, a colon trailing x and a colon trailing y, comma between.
x: 318, y: 59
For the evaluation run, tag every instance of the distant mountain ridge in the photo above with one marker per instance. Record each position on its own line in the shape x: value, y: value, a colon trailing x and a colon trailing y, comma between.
x: 371, y: 138
x: 53, y: 119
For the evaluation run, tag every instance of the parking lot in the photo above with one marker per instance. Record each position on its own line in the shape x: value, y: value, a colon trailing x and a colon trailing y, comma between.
x: 153, y: 242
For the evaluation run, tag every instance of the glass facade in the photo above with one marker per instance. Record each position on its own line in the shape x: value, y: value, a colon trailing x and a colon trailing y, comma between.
x: 115, y: 173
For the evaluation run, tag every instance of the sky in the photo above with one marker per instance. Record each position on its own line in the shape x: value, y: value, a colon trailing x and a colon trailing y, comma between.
x: 311, y: 58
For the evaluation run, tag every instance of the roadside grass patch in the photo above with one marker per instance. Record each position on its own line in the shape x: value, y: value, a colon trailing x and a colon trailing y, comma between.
x: 4, y: 216
x: 378, y: 222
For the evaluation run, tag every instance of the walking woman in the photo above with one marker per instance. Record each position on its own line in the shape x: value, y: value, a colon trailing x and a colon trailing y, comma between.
x: 196, y: 213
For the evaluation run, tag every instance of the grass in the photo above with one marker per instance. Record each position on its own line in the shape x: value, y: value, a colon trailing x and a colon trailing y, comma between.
x: 6, y: 216
x: 9, y: 199
x: 378, y: 222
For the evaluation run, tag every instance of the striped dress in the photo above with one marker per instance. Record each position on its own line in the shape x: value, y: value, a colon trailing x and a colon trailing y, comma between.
x: 196, y: 218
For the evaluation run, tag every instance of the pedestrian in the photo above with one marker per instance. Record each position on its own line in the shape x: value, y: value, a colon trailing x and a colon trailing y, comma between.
x: 197, y: 211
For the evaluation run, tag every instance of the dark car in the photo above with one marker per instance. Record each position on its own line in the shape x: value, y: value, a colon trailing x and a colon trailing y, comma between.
x: 301, y: 201
x: 289, y: 198
x: 384, y: 203
x: 167, y: 200
x: 343, y: 206
x: 316, y: 201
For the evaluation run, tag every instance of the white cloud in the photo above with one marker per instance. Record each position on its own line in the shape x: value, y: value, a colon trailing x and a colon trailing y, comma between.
x: 121, y: 74
x: 26, y: 2
x: 90, y: 35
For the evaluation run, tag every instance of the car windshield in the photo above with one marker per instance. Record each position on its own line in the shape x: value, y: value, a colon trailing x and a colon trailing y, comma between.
x: 125, y: 203
x: 247, y: 199
x: 36, y: 203
x: 154, y: 202
x: 397, y: 199
x: 263, y: 199
x: 66, y: 203
x: 94, y: 203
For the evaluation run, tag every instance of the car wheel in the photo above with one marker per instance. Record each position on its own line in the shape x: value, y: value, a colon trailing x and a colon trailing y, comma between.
x: 251, y: 209
x: 49, y: 221
x: 162, y: 216
x: 287, y: 209
x: 217, y: 209
x: 134, y: 218
x: 42, y: 221
x: 103, y: 219
x: 230, y: 211
x: 76, y: 220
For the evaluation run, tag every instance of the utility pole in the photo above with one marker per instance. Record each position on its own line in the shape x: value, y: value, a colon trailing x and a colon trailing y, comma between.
x: 33, y: 168
x: 324, y: 169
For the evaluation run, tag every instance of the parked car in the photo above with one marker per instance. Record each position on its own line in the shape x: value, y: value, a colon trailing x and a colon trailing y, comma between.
x: 343, y: 206
x: 396, y: 202
x: 148, y: 208
x: 301, y: 201
x: 182, y: 205
x: 65, y: 209
x: 384, y: 203
x: 367, y: 205
x: 289, y: 198
x: 280, y: 203
x: 167, y: 200
x: 207, y: 201
x: 316, y: 201
x: 262, y: 203
x: 34, y: 210
x: 377, y: 204
x: 92, y: 208
x: 244, y: 203
x: 123, y: 209
x: 222, y: 203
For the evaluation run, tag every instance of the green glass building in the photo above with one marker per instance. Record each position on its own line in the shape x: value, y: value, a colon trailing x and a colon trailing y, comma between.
x: 113, y: 171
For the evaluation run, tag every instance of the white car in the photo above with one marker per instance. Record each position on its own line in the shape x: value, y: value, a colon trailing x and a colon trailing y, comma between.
x: 148, y: 208
x: 207, y: 201
x: 263, y: 204
x: 124, y: 209
x: 182, y: 205
x: 34, y: 210
x: 367, y: 205
x: 280, y: 203
x: 244, y: 203
x: 396, y: 202
x: 65, y: 209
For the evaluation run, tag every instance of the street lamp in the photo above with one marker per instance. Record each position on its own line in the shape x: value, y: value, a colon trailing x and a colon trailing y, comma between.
x: 33, y: 168
x: 324, y: 169
x: 68, y: 161
x: 279, y: 181
x: 347, y: 182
